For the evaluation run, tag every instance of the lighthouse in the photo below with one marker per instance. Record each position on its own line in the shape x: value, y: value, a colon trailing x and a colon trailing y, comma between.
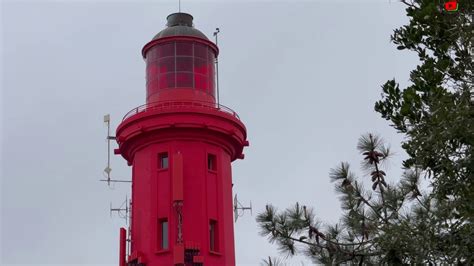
x: 180, y: 145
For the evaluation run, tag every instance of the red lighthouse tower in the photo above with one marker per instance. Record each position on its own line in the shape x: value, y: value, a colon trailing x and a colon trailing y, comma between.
x: 180, y: 145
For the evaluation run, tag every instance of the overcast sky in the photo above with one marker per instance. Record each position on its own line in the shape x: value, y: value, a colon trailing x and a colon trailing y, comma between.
x: 303, y: 76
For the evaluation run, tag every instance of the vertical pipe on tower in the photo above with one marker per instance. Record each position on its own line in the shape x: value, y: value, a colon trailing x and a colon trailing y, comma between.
x: 122, y: 252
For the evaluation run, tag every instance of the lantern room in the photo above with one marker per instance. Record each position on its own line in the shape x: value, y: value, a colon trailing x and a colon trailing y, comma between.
x: 180, y: 63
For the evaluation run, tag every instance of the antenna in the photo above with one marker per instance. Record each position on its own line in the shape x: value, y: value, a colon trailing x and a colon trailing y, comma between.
x: 239, y: 209
x: 107, y: 169
x: 179, y: 6
x: 217, y: 67
x: 123, y: 211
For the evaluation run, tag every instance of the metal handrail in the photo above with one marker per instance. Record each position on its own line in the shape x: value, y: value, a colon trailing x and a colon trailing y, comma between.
x: 173, y: 104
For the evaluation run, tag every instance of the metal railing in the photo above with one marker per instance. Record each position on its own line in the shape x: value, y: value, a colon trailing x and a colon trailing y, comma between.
x: 163, y: 105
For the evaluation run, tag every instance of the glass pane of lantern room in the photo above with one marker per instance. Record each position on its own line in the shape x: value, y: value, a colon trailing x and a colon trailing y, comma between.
x: 152, y: 55
x: 184, y: 49
x: 151, y: 71
x: 152, y: 87
x: 184, y: 64
x: 184, y: 80
x: 200, y: 66
x: 165, y: 50
x: 200, y: 51
x: 166, y: 65
x: 200, y: 82
x: 166, y: 81
x: 211, y: 73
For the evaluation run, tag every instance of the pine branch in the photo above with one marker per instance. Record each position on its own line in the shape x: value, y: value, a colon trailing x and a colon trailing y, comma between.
x: 336, y: 243
x: 366, y: 202
x: 380, y: 185
x: 408, y: 4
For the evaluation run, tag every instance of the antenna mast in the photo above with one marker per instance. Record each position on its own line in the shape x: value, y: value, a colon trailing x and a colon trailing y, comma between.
x: 124, y: 211
x: 107, y: 169
x: 217, y: 68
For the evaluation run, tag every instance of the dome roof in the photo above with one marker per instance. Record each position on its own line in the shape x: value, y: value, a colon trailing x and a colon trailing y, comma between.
x: 180, y: 24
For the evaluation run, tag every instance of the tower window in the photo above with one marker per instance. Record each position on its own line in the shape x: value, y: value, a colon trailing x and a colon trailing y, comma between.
x: 213, y: 236
x: 163, y: 233
x: 163, y: 160
x: 211, y: 162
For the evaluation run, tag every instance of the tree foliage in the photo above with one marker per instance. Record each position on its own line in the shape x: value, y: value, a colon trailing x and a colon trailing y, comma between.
x: 436, y: 111
x: 400, y: 222
x: 369, y: 215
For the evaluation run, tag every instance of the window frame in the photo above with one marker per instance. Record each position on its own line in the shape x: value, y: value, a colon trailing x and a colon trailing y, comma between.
x: 163, y: 240
x: 213, y: 236
x: 211, y: 162
x: 161, y: 165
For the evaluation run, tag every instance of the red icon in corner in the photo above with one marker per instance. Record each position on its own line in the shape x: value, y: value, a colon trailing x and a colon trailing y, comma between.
x: 451, y: 5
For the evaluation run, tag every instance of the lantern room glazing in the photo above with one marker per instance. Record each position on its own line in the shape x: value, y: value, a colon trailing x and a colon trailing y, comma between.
x: 180, y: 65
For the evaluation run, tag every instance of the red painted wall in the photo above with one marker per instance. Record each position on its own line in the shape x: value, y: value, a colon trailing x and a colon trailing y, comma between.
x: 191, y: 135
x: 207, y: 195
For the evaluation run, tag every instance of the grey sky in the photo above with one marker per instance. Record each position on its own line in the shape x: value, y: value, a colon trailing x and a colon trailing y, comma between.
x: 303, y: 76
